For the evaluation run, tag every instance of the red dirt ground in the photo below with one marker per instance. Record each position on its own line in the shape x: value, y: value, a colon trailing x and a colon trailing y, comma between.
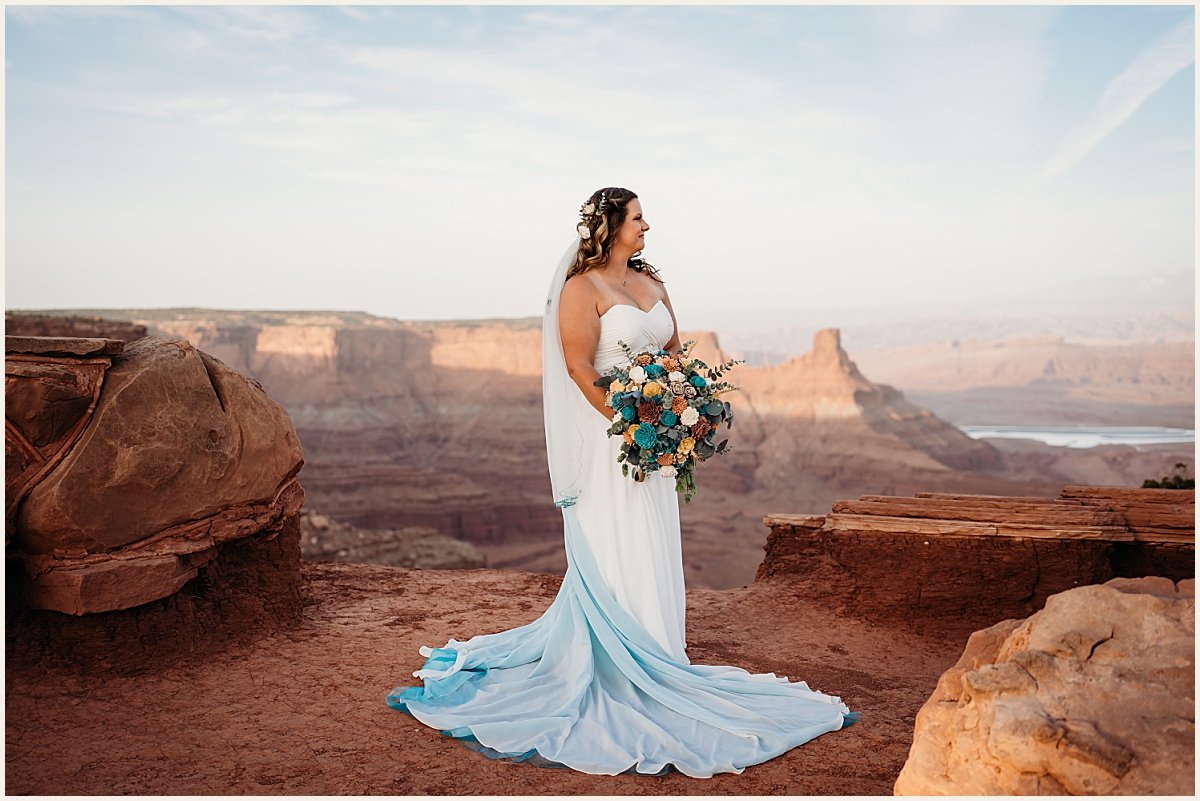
x: 300, y: 709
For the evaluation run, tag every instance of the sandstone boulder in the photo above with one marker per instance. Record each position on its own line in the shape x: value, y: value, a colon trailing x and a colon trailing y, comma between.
x: 1094, y: 694
x: 170, y: 455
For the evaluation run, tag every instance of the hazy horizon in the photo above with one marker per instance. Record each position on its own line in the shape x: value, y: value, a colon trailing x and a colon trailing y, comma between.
x: 427, y: 163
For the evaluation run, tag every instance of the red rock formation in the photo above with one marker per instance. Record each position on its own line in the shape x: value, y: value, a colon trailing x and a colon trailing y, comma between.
x: 825, y: 385
x: 146, y: 468
x: 439, y: 425
x: 50, y: 390
x: 976, y: 559
x: 1092, y: 695
x: 33, y: 324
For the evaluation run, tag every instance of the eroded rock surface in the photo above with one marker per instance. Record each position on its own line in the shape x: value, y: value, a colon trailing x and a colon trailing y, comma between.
x: 136, y: 465
x: 971, y: 560
x: 1095, y: 694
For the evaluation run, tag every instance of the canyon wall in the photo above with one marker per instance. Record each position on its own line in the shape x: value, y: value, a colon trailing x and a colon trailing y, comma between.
x: 1044, y: 380
x: 439, y: 425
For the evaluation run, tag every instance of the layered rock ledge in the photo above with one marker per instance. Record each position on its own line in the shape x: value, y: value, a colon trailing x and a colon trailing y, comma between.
x: 969, y: 561
x: 129, y: 467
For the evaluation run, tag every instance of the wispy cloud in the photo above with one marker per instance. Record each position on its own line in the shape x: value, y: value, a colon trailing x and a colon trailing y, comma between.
x: 1170, y: 53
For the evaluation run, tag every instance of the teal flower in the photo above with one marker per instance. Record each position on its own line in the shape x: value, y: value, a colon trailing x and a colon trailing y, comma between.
x: 698, y: 381
x: 645, y: 436
x: 668, y: 419
x: 654, y: 370
x: 629, y: 412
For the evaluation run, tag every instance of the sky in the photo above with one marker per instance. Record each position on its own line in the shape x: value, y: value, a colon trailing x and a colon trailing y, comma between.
x: 428, y: 162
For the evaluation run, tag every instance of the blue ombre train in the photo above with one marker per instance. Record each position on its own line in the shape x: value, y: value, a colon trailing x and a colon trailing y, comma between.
x: 586, y: 687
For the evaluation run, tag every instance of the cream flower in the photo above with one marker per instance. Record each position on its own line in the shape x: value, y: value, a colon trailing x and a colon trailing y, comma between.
x: 584, y: 231
x: 689, y: 416
x: 589, y: 209
x: 616, y: 386
x: 667, y: 472
x: 675, y: 375
x: 637, y: 374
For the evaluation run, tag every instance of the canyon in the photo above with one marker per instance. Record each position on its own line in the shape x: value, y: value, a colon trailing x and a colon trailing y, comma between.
x: 438, y: 425
x: 241, y: 668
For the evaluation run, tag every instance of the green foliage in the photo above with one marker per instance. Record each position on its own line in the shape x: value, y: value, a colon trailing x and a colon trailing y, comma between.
x: 1177, y: 480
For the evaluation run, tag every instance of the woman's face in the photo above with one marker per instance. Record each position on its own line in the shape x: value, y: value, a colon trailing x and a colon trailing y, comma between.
x: 632, y: 233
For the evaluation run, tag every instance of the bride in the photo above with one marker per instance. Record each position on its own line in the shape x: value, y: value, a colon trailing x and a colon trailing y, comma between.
x: 601, y: 682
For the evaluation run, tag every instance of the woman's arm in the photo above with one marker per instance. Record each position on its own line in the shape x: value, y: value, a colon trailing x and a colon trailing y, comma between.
x: 579, y: 328
x: 673, y: 344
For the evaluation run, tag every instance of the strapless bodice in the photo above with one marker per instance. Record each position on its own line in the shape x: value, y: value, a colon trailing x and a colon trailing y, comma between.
x: 640, y: 330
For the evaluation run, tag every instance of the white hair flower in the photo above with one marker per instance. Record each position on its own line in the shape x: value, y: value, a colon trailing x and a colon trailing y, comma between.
x: 584, y: 231
x: 588, y: 209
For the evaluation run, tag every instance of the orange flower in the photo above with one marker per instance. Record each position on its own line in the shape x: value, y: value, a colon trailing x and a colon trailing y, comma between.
x: 629, y: 432
x: 642, y: 360
x: 701, y: 427
x: 671, y: 364
x: 666, y: 459
x: 649, y: 412
x: 679, y: 404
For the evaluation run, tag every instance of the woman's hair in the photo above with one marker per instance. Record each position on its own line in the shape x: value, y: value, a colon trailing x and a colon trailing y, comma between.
x: 610, y: 209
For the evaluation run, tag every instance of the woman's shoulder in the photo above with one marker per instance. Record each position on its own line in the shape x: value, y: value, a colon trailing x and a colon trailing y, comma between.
x: 579, y: 290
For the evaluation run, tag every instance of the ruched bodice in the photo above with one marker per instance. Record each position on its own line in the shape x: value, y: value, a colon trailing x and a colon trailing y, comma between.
x: 640, y: 330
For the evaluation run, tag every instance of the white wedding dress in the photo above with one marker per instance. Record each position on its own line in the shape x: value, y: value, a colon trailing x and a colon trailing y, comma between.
x: 601, y: 682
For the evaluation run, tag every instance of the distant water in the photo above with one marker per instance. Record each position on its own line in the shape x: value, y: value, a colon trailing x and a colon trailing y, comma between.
x: 1086, y: 436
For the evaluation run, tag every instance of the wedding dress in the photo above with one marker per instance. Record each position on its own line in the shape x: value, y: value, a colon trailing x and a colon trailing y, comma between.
x: 601, y: 681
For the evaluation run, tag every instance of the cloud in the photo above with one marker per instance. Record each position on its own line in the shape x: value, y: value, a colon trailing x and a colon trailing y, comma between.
x: 1170, y: 53
x: 252, y: 23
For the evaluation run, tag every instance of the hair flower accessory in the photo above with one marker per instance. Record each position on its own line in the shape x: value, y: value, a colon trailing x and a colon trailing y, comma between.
x: 591, y: 216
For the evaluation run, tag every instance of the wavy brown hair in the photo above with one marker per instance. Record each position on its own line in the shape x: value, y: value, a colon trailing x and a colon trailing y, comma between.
x: 593, y: 251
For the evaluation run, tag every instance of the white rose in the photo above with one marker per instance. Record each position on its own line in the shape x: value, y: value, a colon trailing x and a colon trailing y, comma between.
x: 668, y: 471
x: 675, y: 375
x: 637, y: 373
x: 584, y: 231
x: 689, y: 416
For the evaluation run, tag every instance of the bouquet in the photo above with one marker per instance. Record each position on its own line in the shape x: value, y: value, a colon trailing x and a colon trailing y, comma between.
x: 667, y: 408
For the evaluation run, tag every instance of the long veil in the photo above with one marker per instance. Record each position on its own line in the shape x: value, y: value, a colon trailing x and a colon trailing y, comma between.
x: 567, y: 412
